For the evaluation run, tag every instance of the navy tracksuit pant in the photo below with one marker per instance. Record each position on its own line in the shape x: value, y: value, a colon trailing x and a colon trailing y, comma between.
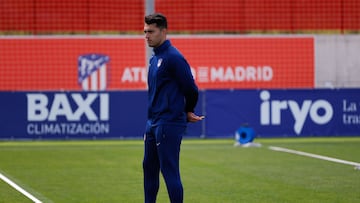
x: 162, y: 153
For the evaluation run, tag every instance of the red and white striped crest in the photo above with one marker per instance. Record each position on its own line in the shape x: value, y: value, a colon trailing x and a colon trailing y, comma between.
x: 93, y: 72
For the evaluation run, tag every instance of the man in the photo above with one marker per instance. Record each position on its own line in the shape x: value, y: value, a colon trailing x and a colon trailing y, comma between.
x: 172, y: 97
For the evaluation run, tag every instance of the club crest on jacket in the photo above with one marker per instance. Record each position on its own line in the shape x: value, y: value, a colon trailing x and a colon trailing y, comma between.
x: 159, y: 62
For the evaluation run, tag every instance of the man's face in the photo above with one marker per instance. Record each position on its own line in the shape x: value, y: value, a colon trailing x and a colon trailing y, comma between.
x: 154, y: 36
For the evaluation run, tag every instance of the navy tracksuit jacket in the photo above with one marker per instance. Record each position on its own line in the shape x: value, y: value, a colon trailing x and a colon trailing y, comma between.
x: 172, y: 90
x: 171, y: 93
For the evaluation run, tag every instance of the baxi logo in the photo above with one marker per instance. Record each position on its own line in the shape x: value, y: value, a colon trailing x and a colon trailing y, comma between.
x: 92, y: 71
x: 68, y: 113
x: 320, y: 111
x: 71, y: 106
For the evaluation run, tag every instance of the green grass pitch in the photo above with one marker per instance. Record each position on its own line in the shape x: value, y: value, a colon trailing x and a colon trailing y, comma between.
x: 213, y: 171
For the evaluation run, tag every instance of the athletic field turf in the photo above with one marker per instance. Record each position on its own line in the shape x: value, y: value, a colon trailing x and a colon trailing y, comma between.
x: 213, y: 171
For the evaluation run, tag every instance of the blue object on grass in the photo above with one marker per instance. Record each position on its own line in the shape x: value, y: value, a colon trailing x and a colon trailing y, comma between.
x: 245, y: 135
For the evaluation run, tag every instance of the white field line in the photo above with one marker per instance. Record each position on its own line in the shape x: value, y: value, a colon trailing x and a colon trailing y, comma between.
x: 18, y: 188
x: 314, y: 156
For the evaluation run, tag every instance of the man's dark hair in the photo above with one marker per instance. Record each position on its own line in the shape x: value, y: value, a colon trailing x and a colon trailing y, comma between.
x: 158, y: 19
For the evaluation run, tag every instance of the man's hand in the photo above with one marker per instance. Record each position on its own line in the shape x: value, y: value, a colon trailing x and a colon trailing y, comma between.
x: 191, y: 117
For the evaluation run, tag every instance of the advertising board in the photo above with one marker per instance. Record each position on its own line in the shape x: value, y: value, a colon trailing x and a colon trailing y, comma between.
x: 284, y: 113
x: 118, y: 63
x: 117, y: 115
x: 76, y: 115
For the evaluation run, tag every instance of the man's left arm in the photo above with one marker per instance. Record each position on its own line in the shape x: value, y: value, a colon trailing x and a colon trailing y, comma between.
x: 187, y: 83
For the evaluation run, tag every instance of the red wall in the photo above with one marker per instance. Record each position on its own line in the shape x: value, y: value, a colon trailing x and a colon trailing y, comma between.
x: 44, y: 16
x: 262, y: 15
x: 47, y: 17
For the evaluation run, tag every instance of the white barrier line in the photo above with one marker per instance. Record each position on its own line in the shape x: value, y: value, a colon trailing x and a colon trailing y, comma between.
x: 314, y: 156
x: 18, y: 188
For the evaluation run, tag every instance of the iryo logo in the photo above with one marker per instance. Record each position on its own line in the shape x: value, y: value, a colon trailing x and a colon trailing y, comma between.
x: 40, y: 109
x: 270, y: 111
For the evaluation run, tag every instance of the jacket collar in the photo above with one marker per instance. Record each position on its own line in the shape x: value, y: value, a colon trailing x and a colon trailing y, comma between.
x: 162, y: 47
